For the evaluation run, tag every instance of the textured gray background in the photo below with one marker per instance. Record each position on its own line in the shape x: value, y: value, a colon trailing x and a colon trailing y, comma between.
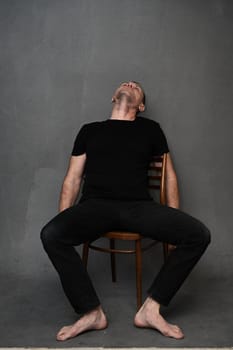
x: 60, y: 63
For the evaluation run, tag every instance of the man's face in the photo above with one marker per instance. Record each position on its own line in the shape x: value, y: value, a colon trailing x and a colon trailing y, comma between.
x: 133, y: 92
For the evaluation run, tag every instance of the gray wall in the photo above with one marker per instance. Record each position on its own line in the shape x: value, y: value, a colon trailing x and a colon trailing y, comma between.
x: 60, y: 63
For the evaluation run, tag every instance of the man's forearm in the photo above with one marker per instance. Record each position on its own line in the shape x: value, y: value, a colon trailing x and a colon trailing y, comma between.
x: 69, y: 194
x: 172, y: 193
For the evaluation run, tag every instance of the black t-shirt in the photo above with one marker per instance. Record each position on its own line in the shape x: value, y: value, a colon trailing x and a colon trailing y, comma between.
x: 118, y: 156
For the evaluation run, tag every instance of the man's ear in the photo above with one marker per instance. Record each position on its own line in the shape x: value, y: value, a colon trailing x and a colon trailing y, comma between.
x: 113, y: 99
x: 141, y: 107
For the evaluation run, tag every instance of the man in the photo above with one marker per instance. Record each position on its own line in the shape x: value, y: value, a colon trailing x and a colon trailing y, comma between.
x: 114, y: 154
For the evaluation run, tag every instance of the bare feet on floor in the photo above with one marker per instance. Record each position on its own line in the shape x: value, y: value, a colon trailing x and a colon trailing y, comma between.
x: 149, y: 317
x: 93, y: 320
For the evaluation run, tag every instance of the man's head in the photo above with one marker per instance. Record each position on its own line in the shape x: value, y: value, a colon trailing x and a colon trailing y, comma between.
x: 133, y: 93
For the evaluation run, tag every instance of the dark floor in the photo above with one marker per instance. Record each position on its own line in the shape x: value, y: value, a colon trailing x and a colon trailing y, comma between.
x: 34, y: 308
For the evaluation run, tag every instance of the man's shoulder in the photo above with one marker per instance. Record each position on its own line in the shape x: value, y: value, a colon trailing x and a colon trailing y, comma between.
x: 91, y: 125
x: 147, y: 121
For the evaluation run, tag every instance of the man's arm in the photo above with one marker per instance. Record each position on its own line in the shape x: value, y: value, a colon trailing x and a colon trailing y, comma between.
x: 72, y: 182
x: 172, y: 191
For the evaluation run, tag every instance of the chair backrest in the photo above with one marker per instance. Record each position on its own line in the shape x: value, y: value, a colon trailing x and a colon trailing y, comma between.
x: 156, y: 176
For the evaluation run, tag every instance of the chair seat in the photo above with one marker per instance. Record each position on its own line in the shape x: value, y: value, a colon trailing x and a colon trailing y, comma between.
x: 124, y: 236
x: 128, y: 236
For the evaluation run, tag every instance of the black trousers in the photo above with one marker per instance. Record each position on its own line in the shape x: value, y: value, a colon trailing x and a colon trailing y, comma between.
x: 90, y: 218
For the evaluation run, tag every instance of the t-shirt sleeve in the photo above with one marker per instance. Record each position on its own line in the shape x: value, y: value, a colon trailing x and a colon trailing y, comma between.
x: 79, y: 146
x: 160, y: 145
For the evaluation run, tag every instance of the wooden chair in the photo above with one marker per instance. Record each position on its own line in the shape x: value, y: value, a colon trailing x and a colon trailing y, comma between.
x: 156, y: 182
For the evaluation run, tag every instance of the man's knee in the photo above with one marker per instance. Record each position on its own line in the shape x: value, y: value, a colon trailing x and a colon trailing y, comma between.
x: 198, y: 234
x: 204, y: 236
x: 48, y: 234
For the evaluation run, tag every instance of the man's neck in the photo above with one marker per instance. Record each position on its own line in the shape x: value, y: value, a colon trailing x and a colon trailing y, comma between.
x: 121, y: 110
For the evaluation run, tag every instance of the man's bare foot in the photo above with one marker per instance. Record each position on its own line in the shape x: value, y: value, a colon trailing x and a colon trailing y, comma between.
x: 94, y: 319
x: 149, y: 317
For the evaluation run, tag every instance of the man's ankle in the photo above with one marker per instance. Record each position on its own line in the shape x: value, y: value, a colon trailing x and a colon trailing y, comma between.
x: 152, y: 303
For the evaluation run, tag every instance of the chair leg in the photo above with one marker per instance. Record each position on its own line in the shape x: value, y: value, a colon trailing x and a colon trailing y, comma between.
x: 139, y: 272
x: 85, y: 253
x: 113, y: 260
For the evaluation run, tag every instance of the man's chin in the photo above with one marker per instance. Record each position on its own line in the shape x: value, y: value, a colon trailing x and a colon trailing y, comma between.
x: 124, y: 96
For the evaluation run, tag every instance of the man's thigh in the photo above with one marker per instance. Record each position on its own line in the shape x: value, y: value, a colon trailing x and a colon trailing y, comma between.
x: 160, y: 222
x: 82, y: 222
